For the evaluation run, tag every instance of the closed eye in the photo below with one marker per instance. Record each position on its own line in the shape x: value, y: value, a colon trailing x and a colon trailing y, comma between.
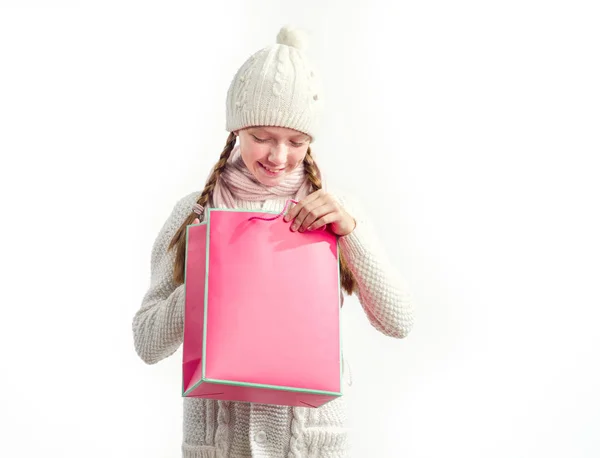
x: 259, y: 140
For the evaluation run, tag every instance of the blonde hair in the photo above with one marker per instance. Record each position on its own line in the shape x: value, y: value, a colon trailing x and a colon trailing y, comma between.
x: 178, y: 242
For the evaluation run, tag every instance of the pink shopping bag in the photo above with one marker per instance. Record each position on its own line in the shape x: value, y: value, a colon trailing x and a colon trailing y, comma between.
x: 262, y: 311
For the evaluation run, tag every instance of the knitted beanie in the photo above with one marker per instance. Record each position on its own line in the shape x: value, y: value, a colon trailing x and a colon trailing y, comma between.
x: 276, y: 86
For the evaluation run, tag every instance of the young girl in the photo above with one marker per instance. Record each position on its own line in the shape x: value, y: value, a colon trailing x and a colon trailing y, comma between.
x: 272, y: 107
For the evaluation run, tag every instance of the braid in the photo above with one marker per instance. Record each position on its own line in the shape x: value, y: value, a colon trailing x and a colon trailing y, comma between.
x: 313, y: 175
x: 218, y: 168
x: 179, y: 240
x: 312, y: 171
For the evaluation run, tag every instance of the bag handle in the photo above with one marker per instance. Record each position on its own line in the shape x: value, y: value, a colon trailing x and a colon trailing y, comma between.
x: 273, y: 218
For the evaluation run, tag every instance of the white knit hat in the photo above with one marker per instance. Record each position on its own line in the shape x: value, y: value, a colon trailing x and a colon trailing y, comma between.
x: 276, y: 86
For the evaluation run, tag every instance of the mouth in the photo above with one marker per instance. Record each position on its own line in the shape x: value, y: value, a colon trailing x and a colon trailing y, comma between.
x: 271, y: 172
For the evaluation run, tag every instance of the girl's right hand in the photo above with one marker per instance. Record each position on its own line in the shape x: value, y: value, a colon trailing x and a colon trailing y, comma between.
x: 196, y: 221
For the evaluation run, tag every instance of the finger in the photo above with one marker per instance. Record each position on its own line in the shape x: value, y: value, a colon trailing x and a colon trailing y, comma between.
x: 311, y: 211
x: 295, y: 209
x: 323, y: 221
x: 292, y: 212
x: 306, y: 209
x: 315, y: 214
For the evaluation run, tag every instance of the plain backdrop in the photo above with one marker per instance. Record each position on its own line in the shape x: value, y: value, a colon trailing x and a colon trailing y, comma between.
x: 468, y: 129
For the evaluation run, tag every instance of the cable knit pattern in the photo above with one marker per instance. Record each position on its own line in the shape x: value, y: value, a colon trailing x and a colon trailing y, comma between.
x: 222, y: 435
x: 242, y: 430
x: 296, y: 444
x: 282, y: 58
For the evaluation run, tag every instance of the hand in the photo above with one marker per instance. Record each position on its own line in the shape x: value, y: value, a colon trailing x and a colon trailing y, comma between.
x: 317, y: 210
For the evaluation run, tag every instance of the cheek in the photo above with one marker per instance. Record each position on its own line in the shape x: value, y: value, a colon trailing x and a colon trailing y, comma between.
x: 252, y: 153
x: 297, y: 157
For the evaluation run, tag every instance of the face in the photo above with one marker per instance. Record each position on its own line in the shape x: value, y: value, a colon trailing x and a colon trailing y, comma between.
x: 271, y: 153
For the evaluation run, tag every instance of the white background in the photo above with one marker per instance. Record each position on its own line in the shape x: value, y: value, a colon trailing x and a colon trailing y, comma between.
x: 470, y: 130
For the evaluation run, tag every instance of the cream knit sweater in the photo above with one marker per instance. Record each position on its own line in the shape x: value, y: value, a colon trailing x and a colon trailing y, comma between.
x: 218, y: 429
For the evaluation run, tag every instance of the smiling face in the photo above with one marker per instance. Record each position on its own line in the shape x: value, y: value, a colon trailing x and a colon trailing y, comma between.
x: 272, y: 153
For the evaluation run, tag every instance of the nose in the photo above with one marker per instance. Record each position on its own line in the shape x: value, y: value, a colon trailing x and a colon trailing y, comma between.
x: 278, y: 154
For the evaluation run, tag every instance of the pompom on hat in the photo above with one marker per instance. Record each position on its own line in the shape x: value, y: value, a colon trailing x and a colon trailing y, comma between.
x: 276, y: 86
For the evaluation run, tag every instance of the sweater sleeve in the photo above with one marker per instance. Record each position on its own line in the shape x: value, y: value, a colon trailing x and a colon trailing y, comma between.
x: 383, y: 292
x: 158, y: 324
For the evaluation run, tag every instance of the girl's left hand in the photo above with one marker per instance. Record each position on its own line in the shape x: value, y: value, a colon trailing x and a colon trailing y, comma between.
x: 317, y: 210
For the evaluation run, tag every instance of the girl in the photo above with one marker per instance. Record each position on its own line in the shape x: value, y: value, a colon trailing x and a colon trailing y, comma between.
x: 271, y: 116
